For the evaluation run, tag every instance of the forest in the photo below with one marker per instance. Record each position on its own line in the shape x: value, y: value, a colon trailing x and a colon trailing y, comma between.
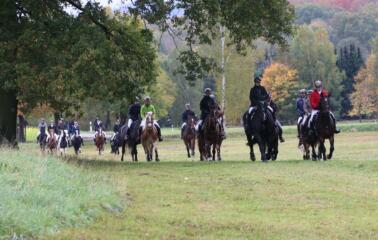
x: 334, y: 41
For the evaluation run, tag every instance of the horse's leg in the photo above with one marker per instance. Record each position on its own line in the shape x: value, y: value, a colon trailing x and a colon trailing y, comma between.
x: 261, y: 147
x: 123, y: 149
x: 332, y: 147
x: 135, y: 153
x: 219, y: 152
x: 314, y: 155
x: 214, y: 151
x: 156, y: 155
x: 193, y: 142
x: 322, y: 149
x: 187, y: 147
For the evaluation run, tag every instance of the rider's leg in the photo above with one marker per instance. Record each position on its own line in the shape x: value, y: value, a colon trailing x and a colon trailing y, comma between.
x: 158, y: 130
x: 313, y: 113
x: 334, y: 122
x: 199, y: 125
x: 182, y: 130
x: 279, y: 126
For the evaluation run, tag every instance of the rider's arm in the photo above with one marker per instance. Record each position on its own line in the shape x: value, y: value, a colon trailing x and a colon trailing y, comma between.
x: 143, y: 111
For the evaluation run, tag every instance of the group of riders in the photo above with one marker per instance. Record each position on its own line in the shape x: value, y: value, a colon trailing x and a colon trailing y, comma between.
x: 307, y: 106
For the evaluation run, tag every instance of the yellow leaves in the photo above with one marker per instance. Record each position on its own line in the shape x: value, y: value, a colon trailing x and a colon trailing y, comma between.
x: 365, y: 97
x: 279, y: 80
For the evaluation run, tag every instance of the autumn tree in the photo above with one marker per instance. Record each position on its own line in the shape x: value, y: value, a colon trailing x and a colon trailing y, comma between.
x: 282, y: 82
x: 365, y: 97
x: 312, y: 55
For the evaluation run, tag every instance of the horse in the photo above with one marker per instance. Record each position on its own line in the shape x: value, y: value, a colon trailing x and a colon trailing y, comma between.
x: 42, y: 141
x: 62, y: 143
x: 52, y: 142
x: 324, y: 128
x: 210, y: 136
x: 149, y: 139
x: 100, y: 141
x: 133, y: 140
x: 260, y: 129
x: 308, y: 140
x: 115, y: 143
x: 189, y: 136
x: 77, y: 141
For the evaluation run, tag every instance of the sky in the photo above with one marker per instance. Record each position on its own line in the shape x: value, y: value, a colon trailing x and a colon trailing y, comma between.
x: 115, y: 4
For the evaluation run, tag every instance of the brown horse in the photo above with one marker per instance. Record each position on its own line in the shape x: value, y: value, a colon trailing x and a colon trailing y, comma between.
x: 189, y: 136
x: 325, y: 128
x: 149, y: 139
x: 100, y: 141
x: 52, y: 142
x: 211, y: 136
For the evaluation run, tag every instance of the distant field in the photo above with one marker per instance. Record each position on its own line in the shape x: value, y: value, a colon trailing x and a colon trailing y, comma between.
x: 179, y: 198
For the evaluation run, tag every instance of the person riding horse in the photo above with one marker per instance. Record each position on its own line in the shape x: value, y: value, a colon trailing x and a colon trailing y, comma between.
x: 96, y: 124
x: 149, y: 108
x: 42, y: 130
x: 315, y: 97
x: 206, y: 105
x: 52, y: 127
x: 116, y: 129
x: 186, y: 115
x: 134, y: 115
x: 273, y: 107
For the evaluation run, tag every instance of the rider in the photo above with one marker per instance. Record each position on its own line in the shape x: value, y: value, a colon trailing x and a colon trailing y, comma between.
x: 99, y: 126
x: 96, y: 124
x: 146, y: 108
x: 61, y: 126
x: 188, y: 113
x: 42, y: 130
x: 257, y: 95
x: 116, y: 128
x: 315, y: 96
x: 206, y: 105
x: 134, y: 114
x: 273, y: 107
x: 54, y: 128
x: 300, y: 108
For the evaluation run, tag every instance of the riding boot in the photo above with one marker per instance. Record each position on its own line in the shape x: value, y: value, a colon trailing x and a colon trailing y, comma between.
x: 159, y: 134
x: 182, y: 133
x: 336, y: 131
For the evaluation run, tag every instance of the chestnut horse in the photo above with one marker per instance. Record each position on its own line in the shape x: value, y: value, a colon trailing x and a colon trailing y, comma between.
x: 52, y: 142
x: 100, y: 141
x: 210, y: 136
x: 189, y: 136
x: 149, y: 139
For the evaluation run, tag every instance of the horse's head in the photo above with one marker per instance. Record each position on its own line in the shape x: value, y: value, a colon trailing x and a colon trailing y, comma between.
x: 149, y: 121
x: 76, y: 132
x: 191, y: 122
x: 51, y: 132
x: 324, y: 104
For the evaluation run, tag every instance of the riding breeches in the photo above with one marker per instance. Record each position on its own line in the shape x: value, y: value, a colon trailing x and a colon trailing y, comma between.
x: 183, y: 125
x: 129, y: 122
x: 313, y: 113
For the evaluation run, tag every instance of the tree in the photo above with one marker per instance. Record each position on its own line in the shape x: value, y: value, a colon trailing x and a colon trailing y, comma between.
x: 200, y: 20
x: 48, y: 56
x: 312, y: 55
x: 282, y: 82
x: 305, y: 14
x: 350, y: 61
x: 365, y: 97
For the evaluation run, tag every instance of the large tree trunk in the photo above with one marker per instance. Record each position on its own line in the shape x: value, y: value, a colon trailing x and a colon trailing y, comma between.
x: 8, y: 118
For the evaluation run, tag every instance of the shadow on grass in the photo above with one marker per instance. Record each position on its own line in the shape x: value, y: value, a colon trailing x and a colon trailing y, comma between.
x: 95, y: 163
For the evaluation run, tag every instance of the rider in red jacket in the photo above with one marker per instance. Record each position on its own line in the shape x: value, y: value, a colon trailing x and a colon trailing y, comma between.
x: 315, y: 96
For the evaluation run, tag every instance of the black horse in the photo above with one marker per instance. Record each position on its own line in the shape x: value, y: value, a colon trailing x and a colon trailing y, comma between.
x: 133, y: 139
x: 260, y: 129
x: 77, y: 141
x: 324, y: 128
x: 115, y: 143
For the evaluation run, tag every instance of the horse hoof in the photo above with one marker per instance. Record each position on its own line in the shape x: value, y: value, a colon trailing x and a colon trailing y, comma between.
x: 329, y: 157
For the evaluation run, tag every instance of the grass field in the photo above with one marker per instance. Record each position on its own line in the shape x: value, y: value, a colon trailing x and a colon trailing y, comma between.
x: 179, y: 198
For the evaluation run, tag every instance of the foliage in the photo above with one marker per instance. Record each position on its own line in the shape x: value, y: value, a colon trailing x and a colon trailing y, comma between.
x: 282, y: 83
x: 312, y: 55
x: 350, y: 61
x: 50, y: 57
x: 358, y: 25
x: 199, y: 20
x: 305, y: 14
x: 42, y: 195
x: 365, y: 98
